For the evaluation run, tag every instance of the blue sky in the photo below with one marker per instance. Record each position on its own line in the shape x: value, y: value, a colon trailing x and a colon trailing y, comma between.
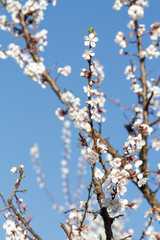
x: 27, y: 110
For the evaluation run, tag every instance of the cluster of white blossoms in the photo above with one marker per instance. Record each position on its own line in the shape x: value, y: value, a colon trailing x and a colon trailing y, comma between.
x: 91, y: 154
x: 142, y: 127
x: 115, y: 184
x: 94, y: 230
x: 33, y: 10
x: 66, y: 70
x: 129, y: 72
x: 34, y: 71
x: 122, y: 170
x: 155, y: 31
x: 77, y: 115
x: 154, y: 91
x: 134, y: 144
x: 119, y: 3
x: 40, y: 38
x: 91, y: 230
x: 32, y: 13
x: 121, y: 40
x: 152, y: 213
x: 64, y: 162
x: 14, y: 231
x: 34, y: 152
x: 156, y: 143
x: 151, y: 51
x: 96, y: 99
x: 151, y: 234
x: 136, y: 12
x: 115, y: 204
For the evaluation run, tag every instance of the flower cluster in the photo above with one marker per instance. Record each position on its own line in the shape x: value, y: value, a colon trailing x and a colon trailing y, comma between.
x: 34, y: 152
x: 26, y: 15
x: 34, y: 71
x: 65, y: 70
x: 156, y: 143
x: 121, y: 40
x: 14, y: 231
x: 142, y: 128
x: 96, y: 99
x: 64, y: 162
x: 91, y: 154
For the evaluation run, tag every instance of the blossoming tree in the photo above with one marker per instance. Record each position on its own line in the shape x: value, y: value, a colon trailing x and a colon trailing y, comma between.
x: 102, y: 214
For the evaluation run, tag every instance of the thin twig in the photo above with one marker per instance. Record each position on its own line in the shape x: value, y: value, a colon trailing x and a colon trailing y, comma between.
x: 65, y: 230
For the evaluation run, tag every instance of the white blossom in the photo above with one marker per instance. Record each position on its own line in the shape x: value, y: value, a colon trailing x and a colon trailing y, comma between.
x: 121, y: 40
x: 98, y: 173
x: 34, y: 71
x: 136, y: 12
x: 90, y: 40
x: 156, y: 143
x: 88, y: 54
x: 65, y: 70
x: 151, y: 51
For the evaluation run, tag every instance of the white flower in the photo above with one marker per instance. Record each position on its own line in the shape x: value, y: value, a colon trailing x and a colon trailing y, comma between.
x: 88, y: 54
x: 121, y: 40
x: 99, y: 69
x: 35, y: 70
x: 128, y: 166
x: 155, y: 31
x: 21, y: 166
x: 142, y: 180
x: 34, y: 150
x: 3, y: 55
x: 136, y: 88
x: 136, y: 12
x: 129, y: 72
x: 116, y: 162
x: 13, y: 231
x: 151, y: 51
x: 3, y: 21
x: 146, y: 129
x: 117, y: 5
x: 131, y: 25
x: 142, y: 3
x: 141, y: 29
x: 90, y: 155
x: 90, y: 40
x: 14, y: 170
x: 121, y: 189
x: 138, y: 163
x: 60, y: 114
x: 87, y: 90
x: 114, y: 205
x: 82, y: 204
x: 65, y: 70
x: 137, y: 122
x: 67, y: 97
x: 139, y: 142
x: 54, y: 2
x: 156, y: 143
x: 98, y: 173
